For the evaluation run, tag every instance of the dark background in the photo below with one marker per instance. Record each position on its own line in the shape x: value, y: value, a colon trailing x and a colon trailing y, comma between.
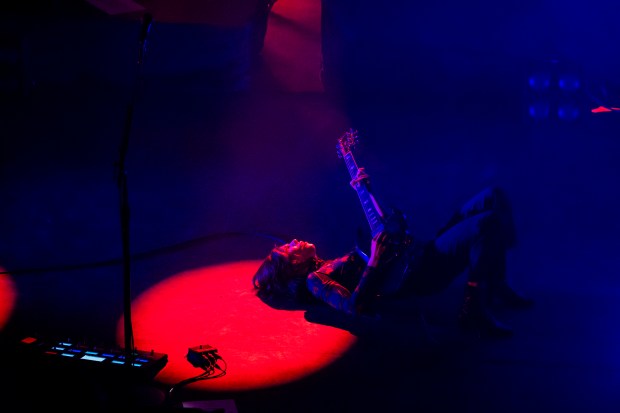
x: 225, y: 140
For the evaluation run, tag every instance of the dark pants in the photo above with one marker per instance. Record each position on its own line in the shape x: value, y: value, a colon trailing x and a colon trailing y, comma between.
x: 475, y: 241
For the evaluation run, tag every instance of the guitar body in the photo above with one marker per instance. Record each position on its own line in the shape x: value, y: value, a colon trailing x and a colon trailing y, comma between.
x: 393, y: 222
x: 398, y: 254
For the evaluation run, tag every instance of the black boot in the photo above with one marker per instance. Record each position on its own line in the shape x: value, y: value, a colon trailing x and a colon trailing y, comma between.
x: 476, y: 317
x: 503, y: 293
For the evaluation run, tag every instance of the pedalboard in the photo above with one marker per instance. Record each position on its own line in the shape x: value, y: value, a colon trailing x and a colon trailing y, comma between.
x: 66, y: 354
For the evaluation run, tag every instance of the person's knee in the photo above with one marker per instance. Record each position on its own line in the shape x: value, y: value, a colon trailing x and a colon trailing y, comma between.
x: 497, y: 199
x: 498, y: 192
x: 489, y: 197
x: 490, y: 224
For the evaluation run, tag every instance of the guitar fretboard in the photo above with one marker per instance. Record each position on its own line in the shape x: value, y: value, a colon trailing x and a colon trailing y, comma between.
x: 373, y: 216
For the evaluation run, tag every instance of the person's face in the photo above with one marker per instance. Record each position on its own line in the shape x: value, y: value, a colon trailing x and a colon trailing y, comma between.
x: 298, y: 252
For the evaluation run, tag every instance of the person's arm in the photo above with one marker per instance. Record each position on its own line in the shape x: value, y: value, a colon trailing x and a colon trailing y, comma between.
x: 326, y: 289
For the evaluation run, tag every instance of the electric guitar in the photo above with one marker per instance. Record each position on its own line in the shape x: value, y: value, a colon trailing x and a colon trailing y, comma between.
x: 394, y: 223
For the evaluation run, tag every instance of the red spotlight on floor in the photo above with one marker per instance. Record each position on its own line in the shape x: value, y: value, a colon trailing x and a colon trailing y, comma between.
x: 216, y: 306
x: 8, y: 296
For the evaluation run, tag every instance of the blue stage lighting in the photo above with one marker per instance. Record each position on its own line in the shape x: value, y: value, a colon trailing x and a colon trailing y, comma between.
x: 540, y: 81
x: 569, y: 83
x: 568, y: 112
x: 539, y: 110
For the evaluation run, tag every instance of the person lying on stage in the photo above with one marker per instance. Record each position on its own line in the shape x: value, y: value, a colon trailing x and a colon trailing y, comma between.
x: 476, y: 240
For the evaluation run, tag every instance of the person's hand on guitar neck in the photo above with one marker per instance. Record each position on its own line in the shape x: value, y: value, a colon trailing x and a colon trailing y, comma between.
x: 362, y: 177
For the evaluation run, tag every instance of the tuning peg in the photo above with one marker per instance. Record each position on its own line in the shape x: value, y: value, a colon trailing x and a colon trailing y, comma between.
x: 339, y: 150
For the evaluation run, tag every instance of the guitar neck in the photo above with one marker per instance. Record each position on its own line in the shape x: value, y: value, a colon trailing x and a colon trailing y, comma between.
x: 373, y: 215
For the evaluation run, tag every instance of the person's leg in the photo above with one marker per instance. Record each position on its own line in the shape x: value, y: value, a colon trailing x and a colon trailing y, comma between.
x: 494, y: 199
x: 474, y: 244
x: 491, y: 199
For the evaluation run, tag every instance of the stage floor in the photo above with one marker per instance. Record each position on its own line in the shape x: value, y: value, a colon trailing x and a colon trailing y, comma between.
x: 215, y: 178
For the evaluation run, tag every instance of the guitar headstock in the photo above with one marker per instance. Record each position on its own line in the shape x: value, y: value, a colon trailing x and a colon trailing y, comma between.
x: 346, y: 142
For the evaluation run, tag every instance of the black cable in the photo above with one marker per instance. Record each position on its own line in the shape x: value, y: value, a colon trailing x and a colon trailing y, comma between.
x: 142, y: 255
x: 211, y: 364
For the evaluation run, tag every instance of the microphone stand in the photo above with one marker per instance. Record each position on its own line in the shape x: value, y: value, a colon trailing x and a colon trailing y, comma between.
x: 124, y: 199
